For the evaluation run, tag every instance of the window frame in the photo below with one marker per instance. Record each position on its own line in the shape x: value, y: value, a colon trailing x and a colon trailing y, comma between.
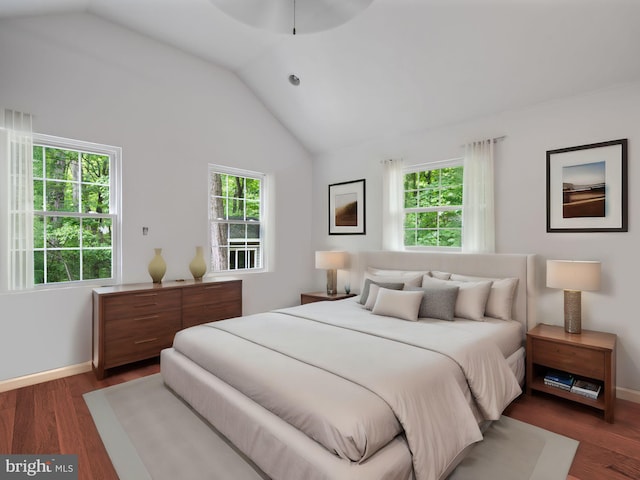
x: 115, y: 205
x: 263, y: 179
x: 422, y: 167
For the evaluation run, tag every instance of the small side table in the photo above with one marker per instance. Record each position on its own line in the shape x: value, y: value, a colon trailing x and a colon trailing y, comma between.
x: 311, y: 297
x: 590, y: 355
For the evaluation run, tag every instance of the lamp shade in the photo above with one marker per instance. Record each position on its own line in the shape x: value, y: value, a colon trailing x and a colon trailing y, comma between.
x: 573, y: 275
x: 331, y: 260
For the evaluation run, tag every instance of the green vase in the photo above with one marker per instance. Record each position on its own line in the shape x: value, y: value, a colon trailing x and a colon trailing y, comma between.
x: 157, y: 266
x: 198, y: 266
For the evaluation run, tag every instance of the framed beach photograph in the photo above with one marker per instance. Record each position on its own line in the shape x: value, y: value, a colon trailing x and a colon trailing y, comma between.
x: 347, y: 208
x: 587, y: 188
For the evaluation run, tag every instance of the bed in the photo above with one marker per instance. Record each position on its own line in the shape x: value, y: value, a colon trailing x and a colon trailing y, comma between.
x: 396, y: 383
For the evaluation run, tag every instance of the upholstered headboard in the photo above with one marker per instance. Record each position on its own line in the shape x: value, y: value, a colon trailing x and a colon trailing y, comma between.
x: 521, y: 266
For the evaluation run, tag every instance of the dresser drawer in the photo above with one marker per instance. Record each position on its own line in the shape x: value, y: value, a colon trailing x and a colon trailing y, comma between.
x: 140, y: 304
x: 212, y: 293
x: 220, y: 310
x: 127, y: 350
x: 575, y: 359
x: 142, y: 327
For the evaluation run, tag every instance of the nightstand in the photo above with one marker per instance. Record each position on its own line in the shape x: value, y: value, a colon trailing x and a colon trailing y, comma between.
x: 323, y: 297
x: 588, y: 355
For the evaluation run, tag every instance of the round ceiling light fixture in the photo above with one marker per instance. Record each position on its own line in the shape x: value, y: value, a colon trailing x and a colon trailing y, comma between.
x: 293, y: 16
x: 294, y: 80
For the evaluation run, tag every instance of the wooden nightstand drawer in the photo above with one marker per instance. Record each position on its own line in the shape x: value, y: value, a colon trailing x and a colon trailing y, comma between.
x: 578, y: 360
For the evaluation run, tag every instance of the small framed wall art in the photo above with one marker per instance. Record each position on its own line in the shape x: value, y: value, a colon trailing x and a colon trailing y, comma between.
x: 587, y: 188
x: 347, y: 208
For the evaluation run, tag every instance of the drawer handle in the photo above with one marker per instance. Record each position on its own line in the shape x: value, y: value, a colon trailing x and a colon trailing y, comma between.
x: 148, y: 340
x: 212, y: 287
x: 144, y: 305
x: 153, y: 294
x: 148, y: 317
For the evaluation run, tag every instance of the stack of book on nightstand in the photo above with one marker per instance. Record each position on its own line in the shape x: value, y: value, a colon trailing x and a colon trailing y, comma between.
x: 587, y: 389
x: 557, y: 379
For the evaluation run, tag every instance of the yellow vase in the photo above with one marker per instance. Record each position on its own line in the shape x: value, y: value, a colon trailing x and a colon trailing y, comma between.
x: 157, y: 266
x: 198, y: 266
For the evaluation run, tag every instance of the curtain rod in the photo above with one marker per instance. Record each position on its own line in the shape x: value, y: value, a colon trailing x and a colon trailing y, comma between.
x: 495, y: 140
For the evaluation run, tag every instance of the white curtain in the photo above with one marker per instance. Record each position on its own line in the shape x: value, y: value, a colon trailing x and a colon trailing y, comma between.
x: 392, y: 188
x: 478, y: 218
x: 17, y: 143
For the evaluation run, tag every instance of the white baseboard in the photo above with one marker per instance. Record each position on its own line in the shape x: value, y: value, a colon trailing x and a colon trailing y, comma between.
x: 40, y: 377
x: 628, y: 394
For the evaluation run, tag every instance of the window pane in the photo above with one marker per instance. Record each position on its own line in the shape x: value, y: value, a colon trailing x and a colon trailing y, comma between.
x: 253, y: 231
x: 451, y: 237
x: 63, y: 265
x: 38, y: 198
x: 38, y: 161
x: 95, y: 198
x: 61, y: 164
x: 95, y: 168
x: 428, y: 220
x: 451, y: 218
x: 219, y: 258
x: 410, y: 181
x: 219, y: 234
x: 429, y: 197
x: 427, y: 238
x: 38, y: 268
x: 62, y: 197
x: 38, y: 231
x: 252, y: 186
x: 452, y: 195
x: 410, y: 237
x: 410, y: 220
x: 238, y: 232
x: 410, y: 199
x: 96, y: 264
x: 253, y: 210
x: 96, y: 233
x: 451, y: 176
x: 63, y: 232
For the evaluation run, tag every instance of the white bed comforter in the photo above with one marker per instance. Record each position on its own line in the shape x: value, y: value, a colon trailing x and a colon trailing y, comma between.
x: 353, y: 381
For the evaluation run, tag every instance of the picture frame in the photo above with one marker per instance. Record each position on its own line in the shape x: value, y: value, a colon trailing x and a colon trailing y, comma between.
x: 347, y: 208
x: 587, y: 188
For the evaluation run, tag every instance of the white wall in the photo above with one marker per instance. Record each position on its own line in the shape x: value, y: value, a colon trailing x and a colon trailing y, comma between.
x: 520, y: 200
x: 172, y: 114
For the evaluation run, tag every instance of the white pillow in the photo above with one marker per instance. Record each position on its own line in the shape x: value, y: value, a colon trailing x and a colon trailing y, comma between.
x: 440, y: 275
x: 398, y: 303
x: 396, y: 273
x: 414, y: 279
x: 472, y: 297
x: 501, y: 296
x: 373, y: 296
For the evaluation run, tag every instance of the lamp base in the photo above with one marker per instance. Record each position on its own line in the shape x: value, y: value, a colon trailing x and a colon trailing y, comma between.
x: 332, y: 282
x: 572, y: 311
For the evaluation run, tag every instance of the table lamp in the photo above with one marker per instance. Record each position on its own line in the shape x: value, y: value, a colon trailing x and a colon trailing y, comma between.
x: 331, y: 261
x: 573, y: 277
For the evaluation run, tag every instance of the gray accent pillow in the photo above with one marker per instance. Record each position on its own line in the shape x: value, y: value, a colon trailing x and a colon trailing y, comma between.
x: 368, y: 282
x: 438, y: 301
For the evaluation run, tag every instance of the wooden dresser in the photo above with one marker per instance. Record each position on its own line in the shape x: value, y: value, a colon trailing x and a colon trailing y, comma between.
x: 136, y: 321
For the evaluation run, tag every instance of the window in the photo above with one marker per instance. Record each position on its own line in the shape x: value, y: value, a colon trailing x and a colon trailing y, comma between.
x: 433, y: 205
x: 236, y: 217
x: 74, y: 210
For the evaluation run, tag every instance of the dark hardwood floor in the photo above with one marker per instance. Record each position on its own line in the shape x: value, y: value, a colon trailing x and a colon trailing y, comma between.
x: 52, y: 417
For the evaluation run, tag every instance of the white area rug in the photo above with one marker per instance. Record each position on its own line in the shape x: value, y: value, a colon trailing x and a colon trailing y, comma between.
x: 150, y: 433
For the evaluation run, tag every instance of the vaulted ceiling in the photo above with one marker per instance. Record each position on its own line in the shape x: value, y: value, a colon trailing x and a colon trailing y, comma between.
x: 401, y: 65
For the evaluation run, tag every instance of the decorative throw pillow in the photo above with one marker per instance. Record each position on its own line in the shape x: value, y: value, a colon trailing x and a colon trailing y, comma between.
x: 393, y: 285
x: 440, y: 275
x: 472, y: 297
x: 501, y: 296
x: 397, y: 303
x: 373, y: 296
x: 438, y: 301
